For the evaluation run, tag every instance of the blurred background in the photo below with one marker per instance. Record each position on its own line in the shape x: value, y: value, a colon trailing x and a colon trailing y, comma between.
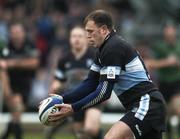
x: 42, y: 27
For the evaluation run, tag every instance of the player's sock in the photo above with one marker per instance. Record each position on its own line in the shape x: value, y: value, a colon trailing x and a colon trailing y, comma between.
x: 17, y: 130
x: 8, y: 131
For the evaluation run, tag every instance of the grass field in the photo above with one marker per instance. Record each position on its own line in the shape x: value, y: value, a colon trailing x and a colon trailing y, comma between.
x: 57, y: 136
x: 37, y: 132
x: 40, y: 136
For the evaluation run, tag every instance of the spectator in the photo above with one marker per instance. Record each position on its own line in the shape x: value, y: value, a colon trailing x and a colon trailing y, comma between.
x: 167, y: 53
x: 18, y: 62
x: 3, y: 30
x: 45, y: 34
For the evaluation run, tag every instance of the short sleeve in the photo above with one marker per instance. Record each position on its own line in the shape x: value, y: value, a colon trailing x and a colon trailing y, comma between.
x: 60, y: 71
x: 96, y: 66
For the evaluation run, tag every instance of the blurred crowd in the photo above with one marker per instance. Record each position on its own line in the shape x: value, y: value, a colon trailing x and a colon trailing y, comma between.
x: 37, y: 32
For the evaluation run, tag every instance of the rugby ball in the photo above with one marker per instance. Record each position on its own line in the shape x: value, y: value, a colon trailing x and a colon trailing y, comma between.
x: 48, y: 107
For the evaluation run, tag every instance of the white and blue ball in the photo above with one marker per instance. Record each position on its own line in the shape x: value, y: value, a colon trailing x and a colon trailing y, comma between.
x: 48, y: 107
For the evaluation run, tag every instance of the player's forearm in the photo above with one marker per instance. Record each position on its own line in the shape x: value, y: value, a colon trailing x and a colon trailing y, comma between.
x: 4, y: 83
x: 102, y: 93
x: 156, y: 64
x: 26, y: 63
x: 84, y: 89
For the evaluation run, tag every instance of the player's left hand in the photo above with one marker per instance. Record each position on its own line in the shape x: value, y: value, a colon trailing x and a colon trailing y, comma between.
x: 65, y: 110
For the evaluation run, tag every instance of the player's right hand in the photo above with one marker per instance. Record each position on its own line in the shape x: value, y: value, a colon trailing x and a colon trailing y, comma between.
x: 172, y: 60
x: 65, y: 111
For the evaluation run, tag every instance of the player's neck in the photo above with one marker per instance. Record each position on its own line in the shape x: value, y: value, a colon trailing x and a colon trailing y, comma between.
x: 105, y: 37
x: 79, y: 53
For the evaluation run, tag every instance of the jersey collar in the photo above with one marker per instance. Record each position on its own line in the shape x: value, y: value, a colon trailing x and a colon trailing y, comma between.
x: 112, y: 33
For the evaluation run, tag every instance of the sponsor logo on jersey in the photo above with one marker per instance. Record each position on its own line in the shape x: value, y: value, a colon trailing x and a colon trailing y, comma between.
x: 111, y: 73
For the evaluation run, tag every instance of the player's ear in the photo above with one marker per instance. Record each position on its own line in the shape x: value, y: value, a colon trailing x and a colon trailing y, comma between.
x: 104, y: 29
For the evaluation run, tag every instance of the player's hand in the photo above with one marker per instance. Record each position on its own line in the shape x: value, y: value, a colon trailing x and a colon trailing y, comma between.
x: 65, y: 110
x: 3, y: 64
x: 172, y: 60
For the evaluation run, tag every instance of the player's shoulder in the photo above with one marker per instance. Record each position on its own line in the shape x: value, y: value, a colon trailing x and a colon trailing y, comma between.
x: 115, y: 40
x: 90, y: 53
x: 118, y: 45
x: 66, y: 57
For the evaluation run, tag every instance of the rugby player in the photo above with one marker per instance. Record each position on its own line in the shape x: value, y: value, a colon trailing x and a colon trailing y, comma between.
x: 117, y: 66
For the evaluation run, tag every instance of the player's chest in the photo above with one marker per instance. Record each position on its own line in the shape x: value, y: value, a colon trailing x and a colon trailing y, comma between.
x: 84, y: 63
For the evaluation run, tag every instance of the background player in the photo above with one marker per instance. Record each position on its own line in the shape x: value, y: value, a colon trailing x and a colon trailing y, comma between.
x: 18, y: 62
x: 71, y: 70
x: 167, y: 62
x: 117, y: 66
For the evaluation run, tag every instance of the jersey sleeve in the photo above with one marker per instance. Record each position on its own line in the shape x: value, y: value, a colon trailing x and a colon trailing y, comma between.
x: 100, y: 94
x: 112, y: 61
x: 96, y: 66
x: 84, y: 89
x: 59, y: 73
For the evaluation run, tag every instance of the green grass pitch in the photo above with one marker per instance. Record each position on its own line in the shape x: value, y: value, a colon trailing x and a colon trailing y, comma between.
x: 40, y: 136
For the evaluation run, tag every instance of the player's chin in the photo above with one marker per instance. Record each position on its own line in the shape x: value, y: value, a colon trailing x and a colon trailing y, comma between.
x: 92, y: 44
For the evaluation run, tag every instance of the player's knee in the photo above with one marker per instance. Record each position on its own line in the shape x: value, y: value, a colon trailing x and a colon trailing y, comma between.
x: 110, y: 136
x: 16, y: 116
x: 17, y: 98
x: 92, y: 131
x: 174, y: 108
x: 119, y: 131
x: 17, y: 105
